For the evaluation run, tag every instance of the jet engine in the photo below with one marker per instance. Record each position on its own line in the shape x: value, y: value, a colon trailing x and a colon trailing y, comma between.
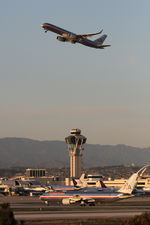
x: 60, y: 38
x: 66, y: 201
x: 74, y: 199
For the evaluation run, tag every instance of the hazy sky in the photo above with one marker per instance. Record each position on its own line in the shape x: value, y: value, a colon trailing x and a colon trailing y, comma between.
x: 48, y: 87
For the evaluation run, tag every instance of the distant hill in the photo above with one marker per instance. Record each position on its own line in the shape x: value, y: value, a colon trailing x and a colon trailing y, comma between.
x: 47, y: 154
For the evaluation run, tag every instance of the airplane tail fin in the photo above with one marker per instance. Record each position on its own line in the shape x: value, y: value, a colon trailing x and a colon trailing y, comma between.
x: 79, y: 182
x: 75, y: 183
x: 82, y: 177
x: 101, y: 39
x: 130, y: 184
x: 102, y: 184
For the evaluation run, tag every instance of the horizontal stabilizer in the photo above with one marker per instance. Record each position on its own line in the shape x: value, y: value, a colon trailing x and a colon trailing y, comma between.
x: 103, y: 46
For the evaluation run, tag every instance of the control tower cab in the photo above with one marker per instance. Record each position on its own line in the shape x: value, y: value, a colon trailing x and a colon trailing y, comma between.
x: 75, y: 143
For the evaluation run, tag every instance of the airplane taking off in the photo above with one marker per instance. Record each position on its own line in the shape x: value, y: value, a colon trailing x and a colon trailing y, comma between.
x: 67, y: 36
x: 91, y: 197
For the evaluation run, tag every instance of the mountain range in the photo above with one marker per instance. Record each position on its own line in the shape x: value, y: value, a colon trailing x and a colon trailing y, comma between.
x: 23, y: 152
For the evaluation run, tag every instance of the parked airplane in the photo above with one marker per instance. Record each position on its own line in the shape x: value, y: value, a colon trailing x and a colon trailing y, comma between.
x: 63, y: 188
x: 90, y: 181
x: 22, y: 187
x: 90, y: 197
x: 81, y: 183
x: 76, y: 187
x: 67, y: 36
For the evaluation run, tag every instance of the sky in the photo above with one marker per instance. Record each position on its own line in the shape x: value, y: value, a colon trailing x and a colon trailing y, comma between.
x: 48, y: 87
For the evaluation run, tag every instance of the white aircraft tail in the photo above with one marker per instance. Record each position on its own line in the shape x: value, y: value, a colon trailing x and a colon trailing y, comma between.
x: 101, y: 39
x: 82, y: 177
x: 130, y: 184
x: 79, y: 182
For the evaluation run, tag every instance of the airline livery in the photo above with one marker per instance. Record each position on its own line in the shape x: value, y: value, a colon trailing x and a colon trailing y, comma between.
x: 67, y: 36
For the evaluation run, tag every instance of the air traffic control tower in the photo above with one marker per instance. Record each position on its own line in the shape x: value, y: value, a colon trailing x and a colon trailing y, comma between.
x: 75, y: 143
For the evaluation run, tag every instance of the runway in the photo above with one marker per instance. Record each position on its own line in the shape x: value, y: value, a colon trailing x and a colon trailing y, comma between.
x: 73, y: 215
x: 32, y: 208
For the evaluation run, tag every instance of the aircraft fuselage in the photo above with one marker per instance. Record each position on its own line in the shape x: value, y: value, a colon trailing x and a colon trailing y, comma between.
x: 58, y: 196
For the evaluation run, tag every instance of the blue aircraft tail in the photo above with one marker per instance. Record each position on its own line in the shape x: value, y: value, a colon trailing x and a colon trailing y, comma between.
x: 101, y: 39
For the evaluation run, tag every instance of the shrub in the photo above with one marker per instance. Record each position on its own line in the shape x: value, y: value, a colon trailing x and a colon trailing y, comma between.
x: 6, y: 215
x: 143, y: 219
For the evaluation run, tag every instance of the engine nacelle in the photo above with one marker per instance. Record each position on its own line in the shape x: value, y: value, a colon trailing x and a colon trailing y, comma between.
x: 60, y: 38
x: 66, y: 201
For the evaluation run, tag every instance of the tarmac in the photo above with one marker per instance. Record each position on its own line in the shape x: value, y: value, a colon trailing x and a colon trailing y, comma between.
x: 32, y: 208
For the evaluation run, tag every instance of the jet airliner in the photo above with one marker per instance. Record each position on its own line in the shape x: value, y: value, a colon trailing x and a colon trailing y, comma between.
x: 91, y: 197
x: 67, y: 36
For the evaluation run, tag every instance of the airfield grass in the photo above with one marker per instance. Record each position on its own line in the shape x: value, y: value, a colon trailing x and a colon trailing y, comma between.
x: 143, y: 219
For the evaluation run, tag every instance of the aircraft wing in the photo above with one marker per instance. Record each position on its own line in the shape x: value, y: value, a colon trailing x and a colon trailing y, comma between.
x: 58, y: 30
x: 75, y: 198
x: 79, y: 199
x: 88, y: 200
x: 88, y: 35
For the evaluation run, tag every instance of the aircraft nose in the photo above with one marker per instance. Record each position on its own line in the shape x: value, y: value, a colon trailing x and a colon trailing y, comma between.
x: 42, y: 25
